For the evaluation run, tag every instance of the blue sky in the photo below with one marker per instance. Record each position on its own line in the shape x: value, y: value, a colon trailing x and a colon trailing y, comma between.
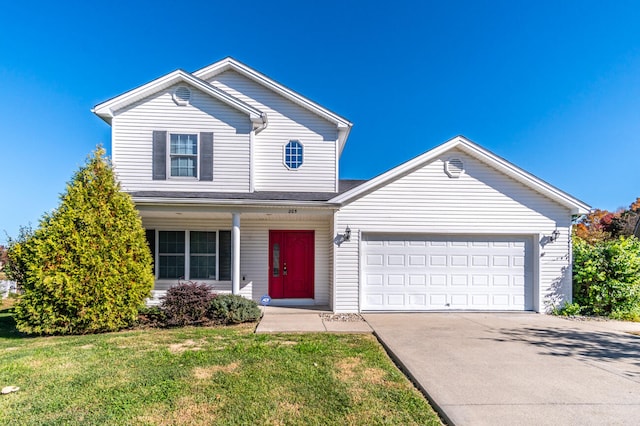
x: 553, y: 87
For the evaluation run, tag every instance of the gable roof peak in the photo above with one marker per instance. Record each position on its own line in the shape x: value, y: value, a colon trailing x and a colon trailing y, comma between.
x: 230, y: 63
x: 108, y: 109
x: 466, y: 145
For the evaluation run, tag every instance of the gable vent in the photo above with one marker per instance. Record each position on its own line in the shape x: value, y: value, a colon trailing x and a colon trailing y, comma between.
x: 453, y: 167
x: 182, y: 95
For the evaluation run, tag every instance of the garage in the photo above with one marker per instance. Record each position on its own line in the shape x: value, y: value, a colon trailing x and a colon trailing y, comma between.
x: 443, y: 272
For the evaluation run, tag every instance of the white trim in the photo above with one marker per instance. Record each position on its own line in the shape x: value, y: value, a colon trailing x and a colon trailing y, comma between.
x: 537, y: 276
x: 159, y: 201
x: 178, y: 100
x: 337, y: 163
x: 235, y: 253
x: 252, y: 179
x: 573, y: 204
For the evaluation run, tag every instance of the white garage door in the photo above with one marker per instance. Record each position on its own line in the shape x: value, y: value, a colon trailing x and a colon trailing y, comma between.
x: 417, y: 273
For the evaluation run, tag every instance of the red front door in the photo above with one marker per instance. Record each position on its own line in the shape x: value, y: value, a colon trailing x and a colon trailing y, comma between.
x: 291, y: 258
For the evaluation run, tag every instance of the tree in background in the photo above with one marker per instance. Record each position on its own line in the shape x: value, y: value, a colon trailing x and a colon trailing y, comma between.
x: 601, y: 225
x: 87, y: 268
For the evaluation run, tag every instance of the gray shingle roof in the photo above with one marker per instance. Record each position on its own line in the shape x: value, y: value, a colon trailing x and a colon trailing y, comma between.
x: 344, y: 184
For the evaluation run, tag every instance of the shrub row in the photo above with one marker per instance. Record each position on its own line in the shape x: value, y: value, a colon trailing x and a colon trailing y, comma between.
x: 191, y: 303
x: 606, y: 279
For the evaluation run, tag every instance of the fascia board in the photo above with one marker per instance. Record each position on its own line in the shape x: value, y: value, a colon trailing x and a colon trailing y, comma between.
x: 574, y: 205
x: 230, y: 63
x: 233, y: 203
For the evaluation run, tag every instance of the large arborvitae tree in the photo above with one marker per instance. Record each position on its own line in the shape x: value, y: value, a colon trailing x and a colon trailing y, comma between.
x: 87, y: 268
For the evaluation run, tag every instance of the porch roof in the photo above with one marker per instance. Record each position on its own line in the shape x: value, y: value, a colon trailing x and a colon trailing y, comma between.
x: 193, y: 196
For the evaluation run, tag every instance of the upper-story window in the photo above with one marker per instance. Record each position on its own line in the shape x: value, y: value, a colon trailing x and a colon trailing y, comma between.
x: 183, y: 155
x: 293, y: 154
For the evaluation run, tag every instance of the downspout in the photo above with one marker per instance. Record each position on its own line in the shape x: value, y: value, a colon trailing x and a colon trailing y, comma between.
x: 259, y: 124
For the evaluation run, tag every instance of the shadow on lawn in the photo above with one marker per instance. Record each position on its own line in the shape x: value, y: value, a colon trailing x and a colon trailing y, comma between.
x: 8, y: 328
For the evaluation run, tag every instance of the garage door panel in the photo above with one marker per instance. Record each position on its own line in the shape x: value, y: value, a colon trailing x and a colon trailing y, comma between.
x: 418, y: 300
x: 417, y: 280
x: 440, y: 272
x: 374, y: 260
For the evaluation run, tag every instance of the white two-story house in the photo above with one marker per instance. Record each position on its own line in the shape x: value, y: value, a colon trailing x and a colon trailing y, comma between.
x: 237, y: 181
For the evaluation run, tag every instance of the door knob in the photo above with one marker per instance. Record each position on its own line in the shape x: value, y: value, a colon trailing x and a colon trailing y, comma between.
x: 284, y: 269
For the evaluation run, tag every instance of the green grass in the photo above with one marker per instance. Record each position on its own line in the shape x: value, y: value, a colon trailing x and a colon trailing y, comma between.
x: 203, y: 376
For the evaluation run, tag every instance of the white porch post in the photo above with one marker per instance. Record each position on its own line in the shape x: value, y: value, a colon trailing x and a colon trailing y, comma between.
x: 235, y: 254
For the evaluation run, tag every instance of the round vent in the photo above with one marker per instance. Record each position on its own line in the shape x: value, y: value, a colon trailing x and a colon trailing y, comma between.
x: 453, y: 167
x: 182, y: 95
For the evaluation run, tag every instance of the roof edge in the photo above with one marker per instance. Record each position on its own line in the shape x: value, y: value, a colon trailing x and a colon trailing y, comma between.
x: 576, y: 206
x: 108, y: 109
x: 344, y: 125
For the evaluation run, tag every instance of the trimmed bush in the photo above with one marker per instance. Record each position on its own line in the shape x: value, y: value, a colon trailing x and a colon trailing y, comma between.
x: 233, y: 309
x: 87, y: 268
x: 187, y: 304
x: 606, y: 277
x: 151, y: 316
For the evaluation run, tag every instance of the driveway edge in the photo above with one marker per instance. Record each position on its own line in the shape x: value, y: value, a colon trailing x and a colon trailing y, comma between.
x: 407, y: 372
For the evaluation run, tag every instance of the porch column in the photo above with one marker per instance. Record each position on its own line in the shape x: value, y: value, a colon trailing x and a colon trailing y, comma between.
x: 235, y: 254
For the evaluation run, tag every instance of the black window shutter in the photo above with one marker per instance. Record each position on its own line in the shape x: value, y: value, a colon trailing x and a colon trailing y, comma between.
x: 206, y: 156
x: 224, y: 246
x: 159, y: 155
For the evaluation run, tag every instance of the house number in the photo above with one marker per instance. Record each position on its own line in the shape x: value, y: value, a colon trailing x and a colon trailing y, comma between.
x: 293, y: 211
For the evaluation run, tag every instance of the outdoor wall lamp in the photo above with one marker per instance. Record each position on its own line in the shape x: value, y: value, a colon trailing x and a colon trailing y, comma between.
x: 554, y: 235
x: 341, y: 238
x: 347, y: 234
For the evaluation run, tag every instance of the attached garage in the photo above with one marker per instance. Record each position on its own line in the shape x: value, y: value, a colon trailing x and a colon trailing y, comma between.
x: 440, y: 272
x: 456, y: 228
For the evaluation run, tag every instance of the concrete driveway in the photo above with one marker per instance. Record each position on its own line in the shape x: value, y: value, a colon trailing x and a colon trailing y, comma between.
x: 517, y: 368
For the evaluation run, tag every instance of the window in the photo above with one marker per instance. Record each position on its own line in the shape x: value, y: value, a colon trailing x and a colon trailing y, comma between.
x: 171, y: 254
x: 194, y: 255
x: 202, y: 255
x: 293, y: 154
x: 184, y: 155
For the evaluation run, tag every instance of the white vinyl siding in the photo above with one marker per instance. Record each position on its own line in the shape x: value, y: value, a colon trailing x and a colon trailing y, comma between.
x: 132, y: 142
x: 482, y: 201
x: 287, y: 121
x: 254, y: 250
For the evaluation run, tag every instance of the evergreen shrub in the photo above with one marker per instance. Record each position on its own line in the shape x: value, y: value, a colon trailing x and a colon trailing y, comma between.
x: 87, y: 267
x: 233, y: 309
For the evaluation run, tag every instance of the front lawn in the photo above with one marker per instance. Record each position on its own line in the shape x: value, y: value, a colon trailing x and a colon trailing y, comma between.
x: 225, y: 375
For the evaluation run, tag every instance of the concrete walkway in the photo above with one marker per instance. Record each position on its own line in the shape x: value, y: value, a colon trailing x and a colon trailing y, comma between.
x: 518, y: 368
x: 302, y: 320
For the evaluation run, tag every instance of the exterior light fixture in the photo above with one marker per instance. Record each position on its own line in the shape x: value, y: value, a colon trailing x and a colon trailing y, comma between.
x: 554, y: 235
x: 347, y: 234
x: 342, y: 237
